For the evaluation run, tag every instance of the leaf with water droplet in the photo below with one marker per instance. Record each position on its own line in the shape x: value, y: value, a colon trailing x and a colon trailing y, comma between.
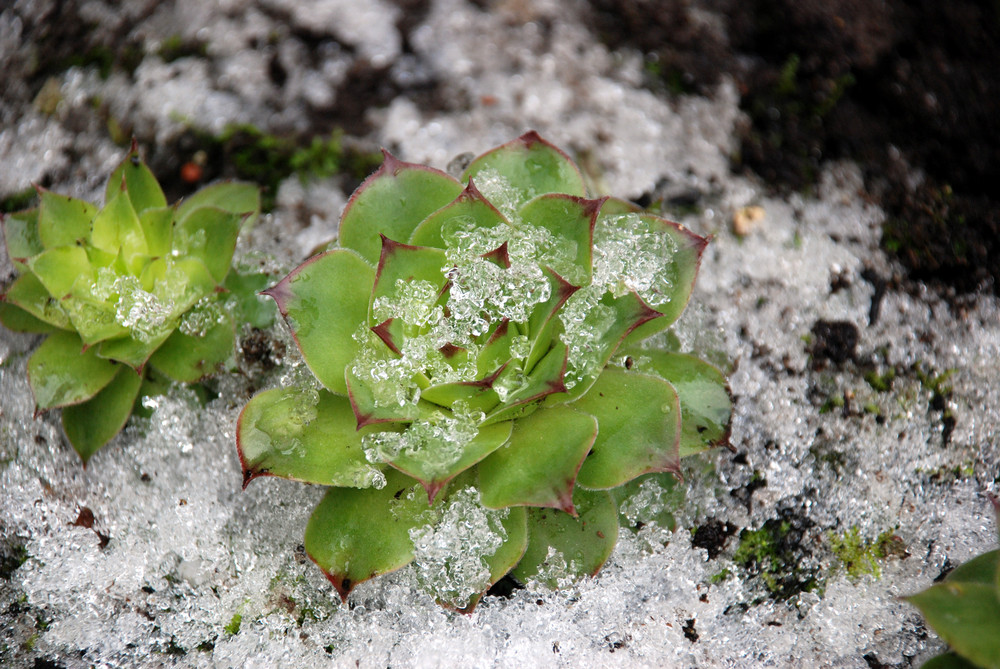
x: 581, y: 544
x: 393, y: 202
x: 422, y: 466
x: 538, y: 466
x: 20, y: 230
x: 470, y: 210
x: 323, y: 301
x: 531, y: 166
x: 303, y: 436
x: 706, y: 405
x: 28, y: 293
x: 189, y: 358
x: 640, y: 424
x: 95, y: 422
x: 209, y: 234
x: 355, y: 535
x: 62, y: 373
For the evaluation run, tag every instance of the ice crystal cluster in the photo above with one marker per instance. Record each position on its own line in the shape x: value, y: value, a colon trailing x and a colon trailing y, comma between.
x: 486, y: 389
x: 133, y: 295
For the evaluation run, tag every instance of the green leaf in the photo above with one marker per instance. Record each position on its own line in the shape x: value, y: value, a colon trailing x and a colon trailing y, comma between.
x: 234, y: 197
x: 966, y: 616
x: 476, y: 395
x: 290, y: 433
x: 20, y: 230
x: 17, y: 319
x: 132, y: 351
x: 400, y: 265
x: 63, y: 220
x: 393, y: 201
x: 61, y: 372
x: 538, y: 466
x: 640, y: 424
x: 507, y: 556
x: 706, y: 407
x: 571, y: 221
x: 667, y: 499
x: 563, y: 547
x: 179, y: 282
x: 140, y: 184
x: 980, y: 569
x: 354, y: 535
x: 531, y: 166
x: 543, y: 322
x: 209, y: 234
x: 116, y: 229
x: 60, y: 268
x: 544, y: 380
x: 368, y: 412
x: 95, y: 422
x: 682, y: 267
x: 469, y: 210
x: 324, y: 300
x: 433, y: 476
x: 158, y: 228
x: 28, y: 293
x: 250, y: 306
x: 189, y: 358
x: 947, y: 661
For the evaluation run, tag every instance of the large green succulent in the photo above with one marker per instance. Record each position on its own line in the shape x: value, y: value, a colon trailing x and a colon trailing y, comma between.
x: 964, y: 609
x: 117, y: 287
x: 481, y: 377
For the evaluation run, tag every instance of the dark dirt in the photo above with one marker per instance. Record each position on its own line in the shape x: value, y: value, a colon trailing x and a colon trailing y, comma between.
x: 900, y: 86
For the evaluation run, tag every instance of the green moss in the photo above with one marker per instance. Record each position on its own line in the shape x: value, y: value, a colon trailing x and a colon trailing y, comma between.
x: 860, y: 557
x: 176, y: 47
x: 774, y: 554
x: 234, y: 624
x: 881, y: 383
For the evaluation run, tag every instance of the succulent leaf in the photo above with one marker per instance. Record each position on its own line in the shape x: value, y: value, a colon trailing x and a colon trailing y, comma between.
x: 234, y: 197
x: 22, y: 235
x: 517, y: 171
x: 28, y: 293
x: 476, y: 355
x: 134, y: 177
x: 114, y: 283
x: 564, y: 548
x: 357, y: 534
x: 303, y: 436
x: 640, y: 426
x: 17, y: 319
x: 470, y: 207
x: 434, y: 472
x: 539, y: 465
x: 392, y: 202
x: 61, y: 372
x: 706, y: 407
x: 191, y: 357
x: 93, y: 423
x: 967, y: 616
x: 63, y: 220
x: 324, y: 301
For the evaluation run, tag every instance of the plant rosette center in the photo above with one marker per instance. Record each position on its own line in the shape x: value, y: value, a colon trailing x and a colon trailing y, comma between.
x: 463, y: 336
x: 132, y: 295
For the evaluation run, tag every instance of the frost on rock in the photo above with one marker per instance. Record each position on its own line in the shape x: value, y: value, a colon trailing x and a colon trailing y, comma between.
x: 450, y: 555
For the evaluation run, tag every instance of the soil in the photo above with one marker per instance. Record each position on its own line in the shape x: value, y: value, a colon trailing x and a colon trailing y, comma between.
x: 910, y: 90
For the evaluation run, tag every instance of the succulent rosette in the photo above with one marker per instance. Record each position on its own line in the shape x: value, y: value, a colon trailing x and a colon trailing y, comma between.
x: 131, y: 295
x: 478, y: 350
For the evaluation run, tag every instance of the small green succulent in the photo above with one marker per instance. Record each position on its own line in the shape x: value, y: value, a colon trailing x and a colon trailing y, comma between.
x: 964, y: 609
x: 481, y: 375
x: 117, y: 287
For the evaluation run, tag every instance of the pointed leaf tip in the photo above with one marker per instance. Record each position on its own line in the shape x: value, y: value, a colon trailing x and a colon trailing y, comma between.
x: 390, y: 163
